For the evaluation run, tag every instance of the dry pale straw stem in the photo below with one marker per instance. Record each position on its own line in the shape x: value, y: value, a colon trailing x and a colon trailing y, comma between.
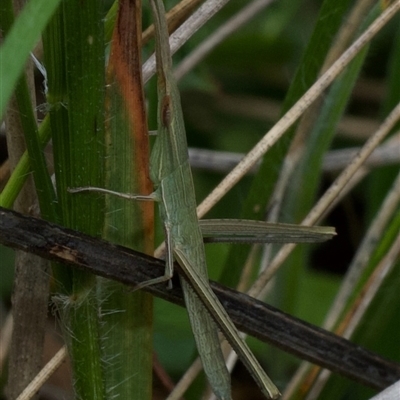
x: 298, y: 144
x: 360, y: 307
x: 359, y: 263
x: 43, y: 375
x: 296, y: 111
x: 364, y: 252
x: 335, y: 160
x: 319, y: 209
x: 228, y: 28
x: 391, y: 393
x: 5, y: 339
x: 390, y: 150
x: 174, y: 17
x: 184, y: 383
x: 185, y: 32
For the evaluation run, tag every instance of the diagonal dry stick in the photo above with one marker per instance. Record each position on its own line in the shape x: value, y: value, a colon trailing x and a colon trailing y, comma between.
x: 254, y: 317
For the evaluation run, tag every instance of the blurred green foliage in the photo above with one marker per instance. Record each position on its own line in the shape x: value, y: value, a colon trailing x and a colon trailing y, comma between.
x: 274, y: 59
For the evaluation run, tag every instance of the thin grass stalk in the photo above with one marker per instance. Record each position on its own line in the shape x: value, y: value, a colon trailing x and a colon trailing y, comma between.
x: 358, y: 309
x: 305, y: 126
x: 175, y: 17
x: 31, y: 288
x: 323, y: 203
x: 302, y: 168
x: 381, y: 180
x: 334, y: 160
x: 29, y: 130
x: 24, y: 35
x: 205, y: 12
x: 261, y: 189
x: 364, y: 252
x: 42, y: 377
x: 393, y: 86
x: 30, y: 292
x: 355, y: 271
x: 258, y: 288
x: 242, y: 17
x: 299, y: 197
x: 22, y: 169
x: 382, y: 273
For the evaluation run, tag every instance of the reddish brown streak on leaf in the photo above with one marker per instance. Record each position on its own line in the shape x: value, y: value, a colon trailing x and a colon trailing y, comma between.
x: 125, y: 68
x: 175, y: 17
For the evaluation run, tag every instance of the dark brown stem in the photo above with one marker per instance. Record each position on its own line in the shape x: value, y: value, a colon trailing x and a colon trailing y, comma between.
x: 258, y: 319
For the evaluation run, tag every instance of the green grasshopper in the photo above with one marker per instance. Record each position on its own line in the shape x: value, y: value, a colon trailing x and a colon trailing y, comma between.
x: 171, y: 174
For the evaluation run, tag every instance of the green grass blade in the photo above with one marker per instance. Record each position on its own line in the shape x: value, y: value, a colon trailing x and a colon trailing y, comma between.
x: 44, y: 187
x: 329, y: 20
x: 24, y: 35
x: 21, y: 171
x: 74, y: 58
x: 378, y: 329
x: 127, y: 317
x: 299, y: 196
x: 381, y: 179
